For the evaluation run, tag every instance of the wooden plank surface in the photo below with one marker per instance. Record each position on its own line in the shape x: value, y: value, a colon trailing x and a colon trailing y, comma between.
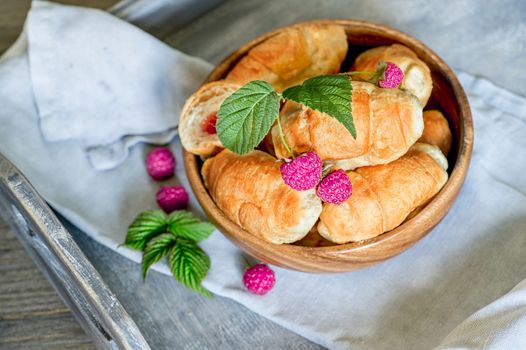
x: 12, y: 16
x: 31, y: 314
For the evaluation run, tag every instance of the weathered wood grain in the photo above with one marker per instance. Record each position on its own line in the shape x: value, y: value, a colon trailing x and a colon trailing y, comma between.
x: 12, y: 16
x: 31, y: 314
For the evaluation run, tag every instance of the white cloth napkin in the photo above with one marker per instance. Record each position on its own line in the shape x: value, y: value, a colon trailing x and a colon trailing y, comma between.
x: 500, y: 325
x: 105, y: 83
x: 475, y: 255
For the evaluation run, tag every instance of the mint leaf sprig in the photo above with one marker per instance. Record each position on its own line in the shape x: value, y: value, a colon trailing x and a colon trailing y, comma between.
x: 175, y: 237
x: 246, y: 116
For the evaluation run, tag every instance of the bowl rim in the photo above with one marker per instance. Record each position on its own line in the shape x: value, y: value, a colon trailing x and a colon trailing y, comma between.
x: 422, y: 222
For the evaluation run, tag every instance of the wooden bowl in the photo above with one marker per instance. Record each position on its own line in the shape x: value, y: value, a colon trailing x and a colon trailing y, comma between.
x: 448, y: 96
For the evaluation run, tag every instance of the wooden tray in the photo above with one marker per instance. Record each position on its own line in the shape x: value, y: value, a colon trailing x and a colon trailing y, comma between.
x: 74, y: 278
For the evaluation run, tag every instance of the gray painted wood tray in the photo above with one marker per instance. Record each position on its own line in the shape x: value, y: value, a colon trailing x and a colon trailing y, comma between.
x: 65, y: 266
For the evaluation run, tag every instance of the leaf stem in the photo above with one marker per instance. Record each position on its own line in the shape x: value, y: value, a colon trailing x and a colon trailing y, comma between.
x: 282, y: 136
x: 357, y: 72
x: 246, y: 263
x: 326, y: 169
x: 372, y: 78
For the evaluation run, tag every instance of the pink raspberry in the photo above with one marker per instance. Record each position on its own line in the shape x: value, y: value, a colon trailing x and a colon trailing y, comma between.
x: 392, y: 78
x: 259, y: 279
x: 171, y: 198
x: 335, y: 188
x: 303, y: 172
x: 160, y: 163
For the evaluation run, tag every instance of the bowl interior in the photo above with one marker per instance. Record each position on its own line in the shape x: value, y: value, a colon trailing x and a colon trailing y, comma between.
x: 447, y: 96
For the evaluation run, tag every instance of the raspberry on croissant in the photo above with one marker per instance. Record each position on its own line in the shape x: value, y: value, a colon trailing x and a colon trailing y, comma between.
x: 388, y: 122
x: 384, y: 195
x: 417, y: 76
x: 250, y: 191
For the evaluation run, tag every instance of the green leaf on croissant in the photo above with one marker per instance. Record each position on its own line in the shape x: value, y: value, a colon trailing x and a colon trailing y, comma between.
x: 146, y: 225
x: 189, y: 264
x: 246, y: 116
x: 330, y: 94
x: 184, y: 224
x: 156, y: 249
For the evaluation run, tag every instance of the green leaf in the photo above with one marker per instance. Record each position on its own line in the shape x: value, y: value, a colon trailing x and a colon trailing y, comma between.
x: 246, y: 116
x: 175, y: 237
x: 145, y: 226
x: 189, y: 265
x: 156, y: 249
x: 184, y: 224
x: 330, y: 94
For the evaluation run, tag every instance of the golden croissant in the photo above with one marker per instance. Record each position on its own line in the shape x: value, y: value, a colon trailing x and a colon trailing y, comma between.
x: 293, y: 55
x: 388, y: 122
x: 436, y: 131
x: 250, y: 191
x: 384, y: 195
x: 417, y: 76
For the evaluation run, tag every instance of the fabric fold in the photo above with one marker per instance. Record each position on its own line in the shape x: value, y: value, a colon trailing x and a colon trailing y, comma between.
x: 500, y: 325
x: 100, y: 81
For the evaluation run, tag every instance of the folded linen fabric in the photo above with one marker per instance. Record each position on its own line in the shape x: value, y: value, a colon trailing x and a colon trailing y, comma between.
x: 104, y: 82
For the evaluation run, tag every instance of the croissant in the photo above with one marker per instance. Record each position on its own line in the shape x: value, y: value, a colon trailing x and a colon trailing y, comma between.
x: 293, y: 55
x: 250, y: 191
x: 384, y: 195
x: 197, y: 111
x: 436, y: 131
x: 387, y: 121
x: 417, y: 76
